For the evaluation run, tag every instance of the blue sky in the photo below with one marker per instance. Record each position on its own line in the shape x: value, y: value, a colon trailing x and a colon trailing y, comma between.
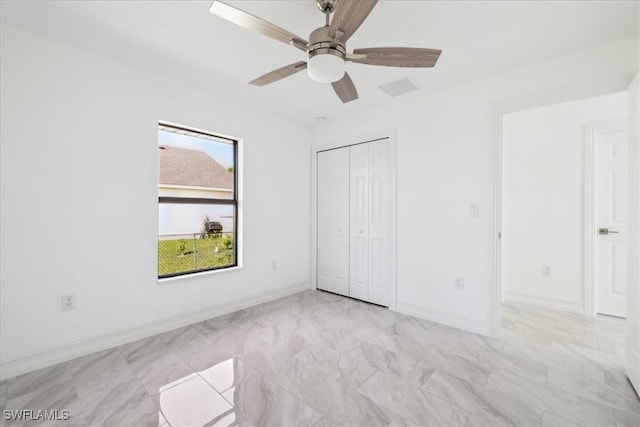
x: 219, y: 151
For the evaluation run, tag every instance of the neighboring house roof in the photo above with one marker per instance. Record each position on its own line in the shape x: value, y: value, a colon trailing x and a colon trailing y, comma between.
x: 181, y: 166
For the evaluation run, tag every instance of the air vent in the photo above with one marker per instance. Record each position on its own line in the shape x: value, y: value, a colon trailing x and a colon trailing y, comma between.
x: 399, y: 87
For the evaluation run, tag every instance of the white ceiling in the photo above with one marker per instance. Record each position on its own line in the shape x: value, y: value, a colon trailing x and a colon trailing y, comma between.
x: 182, y: 40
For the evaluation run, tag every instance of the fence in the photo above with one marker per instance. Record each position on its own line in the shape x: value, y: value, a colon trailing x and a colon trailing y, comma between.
x: 183, y: 253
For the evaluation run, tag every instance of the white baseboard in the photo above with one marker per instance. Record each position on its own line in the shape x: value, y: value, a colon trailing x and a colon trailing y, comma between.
x: 456, y: 321
x: 30, y: 362
x: 553, y: 303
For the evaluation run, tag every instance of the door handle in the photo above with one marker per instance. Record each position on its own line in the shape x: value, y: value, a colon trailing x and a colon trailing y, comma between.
x: 606, y: 231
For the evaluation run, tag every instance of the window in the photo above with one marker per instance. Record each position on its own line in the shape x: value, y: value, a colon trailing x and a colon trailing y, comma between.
x: 197, y: 201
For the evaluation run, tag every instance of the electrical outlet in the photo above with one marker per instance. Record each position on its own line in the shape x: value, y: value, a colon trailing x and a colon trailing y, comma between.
x: 546, y: 270
x: 474, y: 211
x: 458, y: 283
x: 68, y: 302
x: 274, y: 264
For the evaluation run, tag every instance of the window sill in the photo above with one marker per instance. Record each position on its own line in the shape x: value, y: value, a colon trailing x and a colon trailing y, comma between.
x: 199, y: 274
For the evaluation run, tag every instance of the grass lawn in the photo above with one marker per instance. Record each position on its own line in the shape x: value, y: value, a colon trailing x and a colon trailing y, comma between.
x: 177, y: 256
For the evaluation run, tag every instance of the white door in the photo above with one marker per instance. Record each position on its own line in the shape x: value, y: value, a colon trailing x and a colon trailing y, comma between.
x: 359, y: 226
x: 371, y: 257
x: 611, y: 198
x: 381, y: 223
x: 333, y: 221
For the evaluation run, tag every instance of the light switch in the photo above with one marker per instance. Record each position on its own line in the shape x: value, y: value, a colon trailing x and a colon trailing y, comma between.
x: 474, y: 210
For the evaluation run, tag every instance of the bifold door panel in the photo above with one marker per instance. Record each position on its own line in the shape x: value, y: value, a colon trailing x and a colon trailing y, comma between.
x: 380, y: 223
x: 333, y: 221
x: 359, y: 222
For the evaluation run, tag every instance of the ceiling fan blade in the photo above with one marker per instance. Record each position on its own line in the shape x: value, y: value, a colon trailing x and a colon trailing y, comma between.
x: 251, y: 22
x: 345, y: 89
x: 279, y: 74
x: 397, y: 56
x: 348, y: 17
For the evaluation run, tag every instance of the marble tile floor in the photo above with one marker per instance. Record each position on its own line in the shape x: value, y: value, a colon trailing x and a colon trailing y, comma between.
x: 318, y: 359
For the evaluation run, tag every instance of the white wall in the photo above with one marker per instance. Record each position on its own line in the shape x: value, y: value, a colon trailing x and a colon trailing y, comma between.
x: 79, y: 207
x: 632, y: 362
x: 543, y: 199
x: 446, y: 161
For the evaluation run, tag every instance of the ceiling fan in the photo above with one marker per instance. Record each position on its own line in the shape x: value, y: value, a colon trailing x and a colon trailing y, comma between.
x: 326, y: 48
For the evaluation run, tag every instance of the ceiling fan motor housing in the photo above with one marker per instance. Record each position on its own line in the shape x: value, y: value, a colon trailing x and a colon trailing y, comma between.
x: 326, y: 57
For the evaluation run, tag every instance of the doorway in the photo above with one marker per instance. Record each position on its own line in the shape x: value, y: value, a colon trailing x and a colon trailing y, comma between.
x: 546, y: 257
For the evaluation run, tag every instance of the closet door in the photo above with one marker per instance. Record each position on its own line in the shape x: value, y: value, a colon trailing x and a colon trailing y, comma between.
x: 381, y: 221
x: 333, y: 221
x: 359, y: 222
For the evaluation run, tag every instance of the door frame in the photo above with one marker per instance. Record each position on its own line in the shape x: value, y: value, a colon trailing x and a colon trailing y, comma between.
x: 574, y: 92
x: 389, y: 134
x: 590, y: 201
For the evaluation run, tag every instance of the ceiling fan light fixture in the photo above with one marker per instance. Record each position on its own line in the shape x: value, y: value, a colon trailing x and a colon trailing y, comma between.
x: 326, y: 68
